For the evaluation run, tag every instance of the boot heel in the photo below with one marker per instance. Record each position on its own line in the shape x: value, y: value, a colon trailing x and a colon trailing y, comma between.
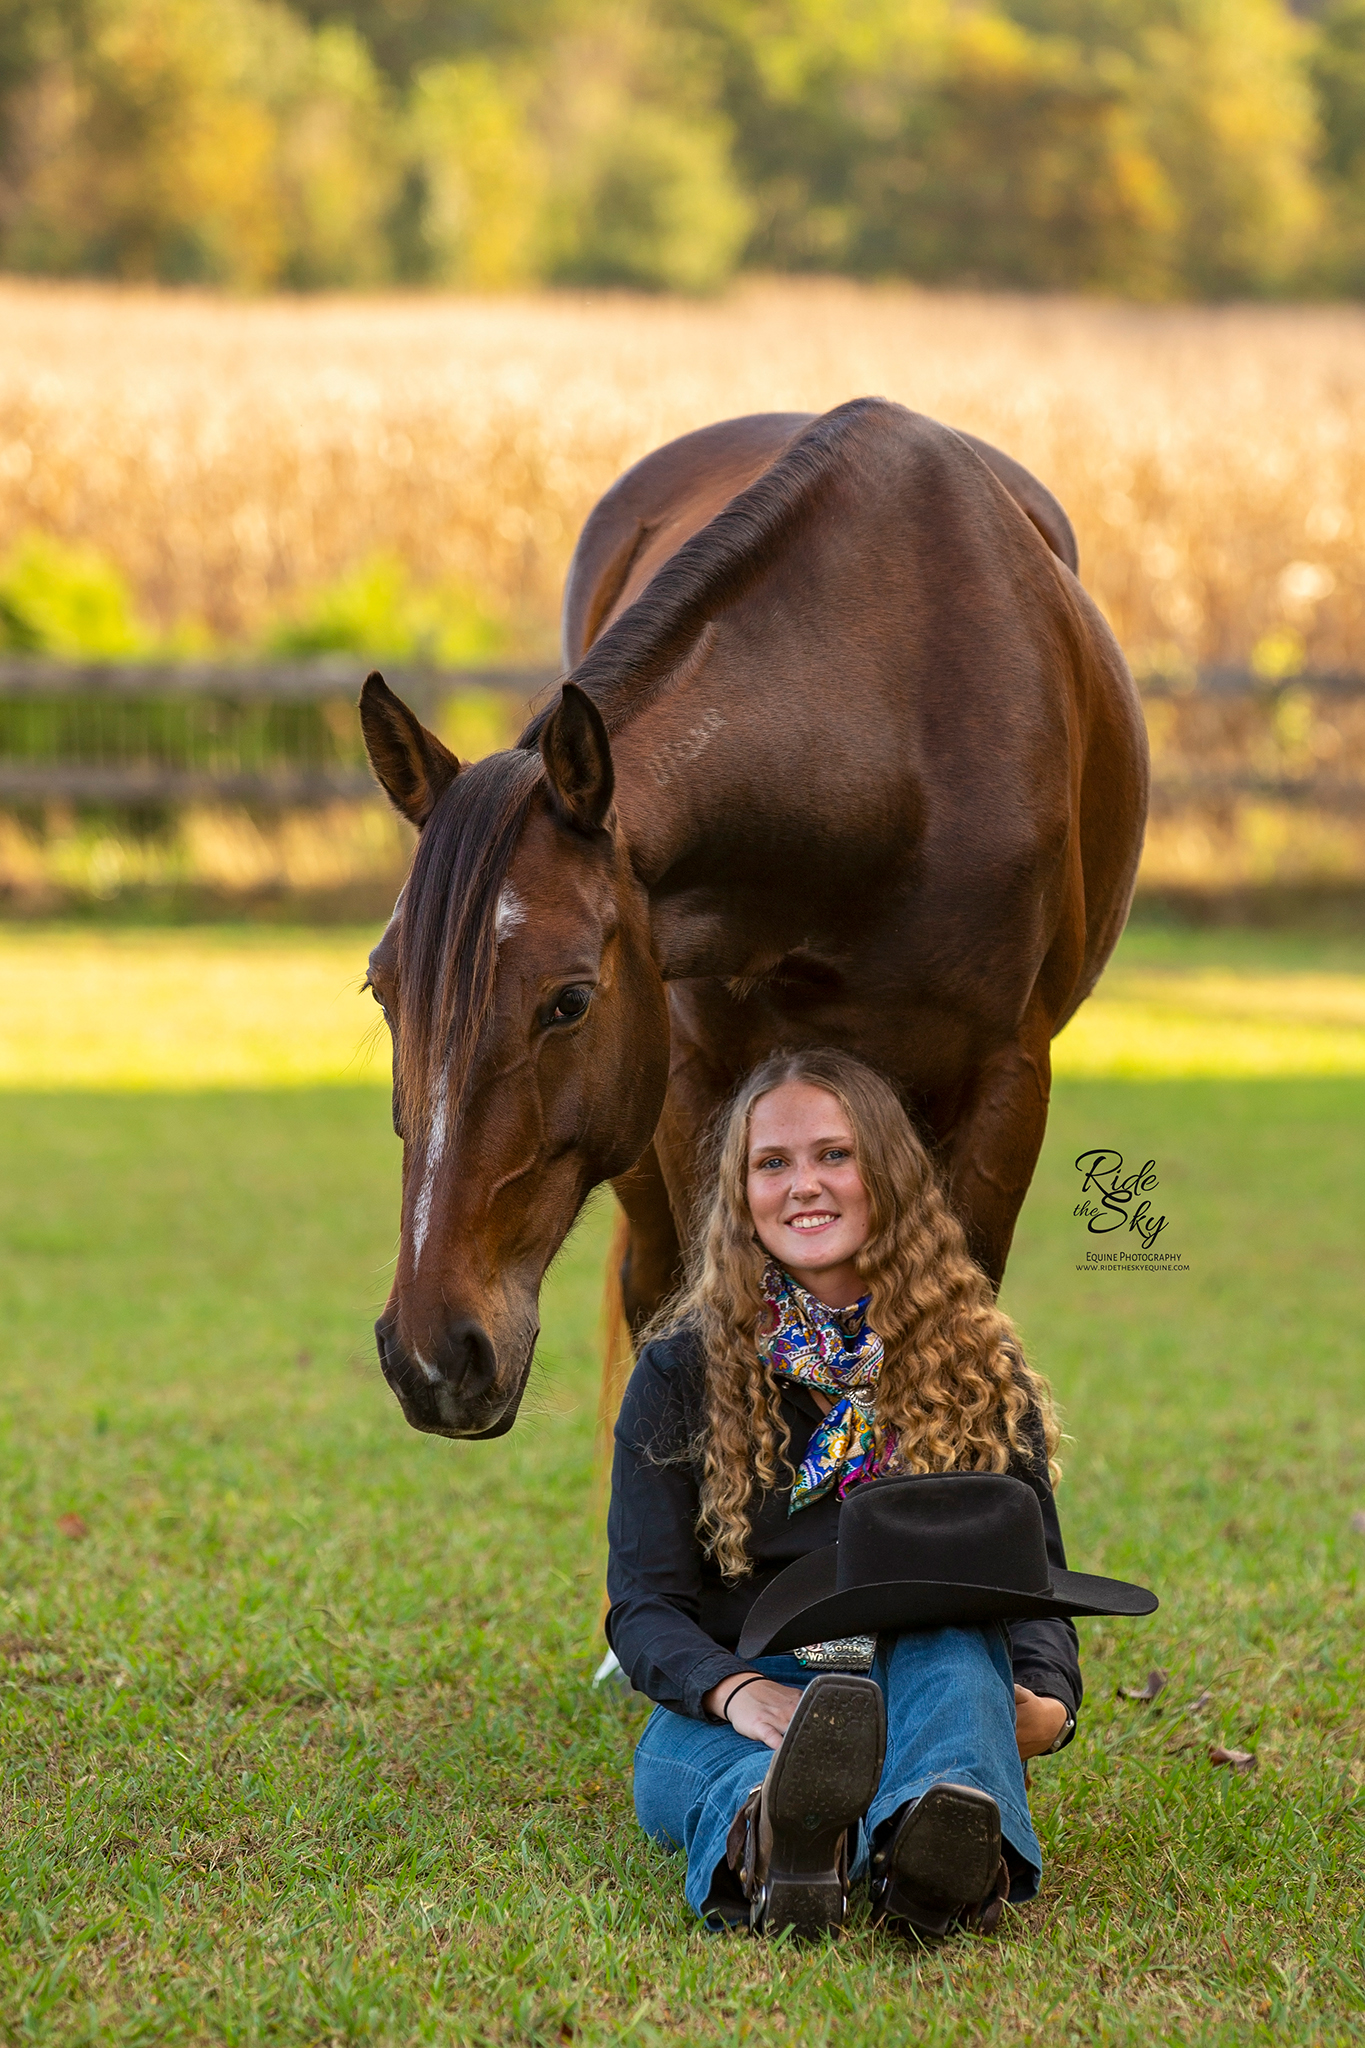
x: 943, y: 1863
x: 809, y: 1906
x: 819, y: 1785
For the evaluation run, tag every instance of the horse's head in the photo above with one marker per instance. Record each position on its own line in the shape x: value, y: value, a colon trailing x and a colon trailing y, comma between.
x: 530, y: 1040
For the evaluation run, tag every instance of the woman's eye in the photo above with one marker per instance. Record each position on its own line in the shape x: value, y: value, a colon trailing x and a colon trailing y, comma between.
x: 836, y: 1155
x: 570, y: 1005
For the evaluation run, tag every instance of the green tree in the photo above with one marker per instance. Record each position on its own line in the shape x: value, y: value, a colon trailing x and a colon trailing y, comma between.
x: 482, y: 173
x: 406, y: 36
x: 651, y: 201
x: 1151, y: 147
x: 201, y: 139
x: 1227, y: 111
x: 1024, y: 164
x: 1337, y: 71
x: 597, y: 159
x: 1145, y: 145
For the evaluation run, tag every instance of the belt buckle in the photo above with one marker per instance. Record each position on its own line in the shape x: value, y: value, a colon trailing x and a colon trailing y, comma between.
x: 840, y: 1653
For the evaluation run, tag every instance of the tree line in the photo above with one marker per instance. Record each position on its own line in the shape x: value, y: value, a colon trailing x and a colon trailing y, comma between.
x: 1155, y: 148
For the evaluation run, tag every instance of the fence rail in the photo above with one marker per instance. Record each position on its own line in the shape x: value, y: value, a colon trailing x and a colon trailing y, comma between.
x: 1244, y: 682
x: 285, y: 734
x: 340, y: 675
x: 137, y: 787
x: 278, y: 734
x: 327, y: 676
x: 1337, y: 793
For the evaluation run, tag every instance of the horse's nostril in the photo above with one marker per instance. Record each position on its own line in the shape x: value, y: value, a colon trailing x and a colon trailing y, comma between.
x: 446, y: 1392
x: 467, y: 1361
x: 399, y: 1370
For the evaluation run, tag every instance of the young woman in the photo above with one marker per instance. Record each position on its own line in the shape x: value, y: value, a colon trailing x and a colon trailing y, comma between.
x: 834, y: 1331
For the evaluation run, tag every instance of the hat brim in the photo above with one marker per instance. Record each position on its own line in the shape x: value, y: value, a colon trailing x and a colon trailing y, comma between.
x: 803, y: 1604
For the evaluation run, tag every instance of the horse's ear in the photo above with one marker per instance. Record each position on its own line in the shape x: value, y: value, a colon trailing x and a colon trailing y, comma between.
x: 412, y: 765
x: 577, y: 756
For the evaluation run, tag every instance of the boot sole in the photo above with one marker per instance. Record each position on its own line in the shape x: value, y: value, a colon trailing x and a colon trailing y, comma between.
x: 946, y: 1857
x: 821, y: 1783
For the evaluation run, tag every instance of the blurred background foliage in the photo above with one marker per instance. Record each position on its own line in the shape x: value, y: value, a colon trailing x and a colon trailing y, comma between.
x: 1157, y: 148
x: 68, y: 600
x: 71, y: 601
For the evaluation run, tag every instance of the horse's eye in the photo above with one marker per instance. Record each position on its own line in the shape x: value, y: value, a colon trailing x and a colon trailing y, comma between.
x: 571, y: 1004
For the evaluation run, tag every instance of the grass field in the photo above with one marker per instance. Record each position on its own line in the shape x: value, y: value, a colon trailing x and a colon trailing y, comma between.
x: 299, y: 1744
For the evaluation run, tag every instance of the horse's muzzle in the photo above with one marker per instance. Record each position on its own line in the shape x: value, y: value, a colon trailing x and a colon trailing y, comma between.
x: 455, y: 1392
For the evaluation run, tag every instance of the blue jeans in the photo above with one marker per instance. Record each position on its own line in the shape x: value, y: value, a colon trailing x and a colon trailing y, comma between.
x: 949, y: 1714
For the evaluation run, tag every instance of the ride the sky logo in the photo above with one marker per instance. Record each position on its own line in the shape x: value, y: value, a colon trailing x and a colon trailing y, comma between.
x: 1115, y: 1199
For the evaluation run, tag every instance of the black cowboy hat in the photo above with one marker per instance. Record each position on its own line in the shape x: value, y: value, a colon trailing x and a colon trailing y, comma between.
x: 932, y: 1550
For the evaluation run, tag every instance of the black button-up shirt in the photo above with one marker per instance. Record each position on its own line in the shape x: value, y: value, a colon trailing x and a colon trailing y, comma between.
x: 673, y: 1620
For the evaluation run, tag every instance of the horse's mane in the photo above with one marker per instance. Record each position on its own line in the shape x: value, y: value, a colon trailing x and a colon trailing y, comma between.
x: 712, y: 570
x: 448, y: 935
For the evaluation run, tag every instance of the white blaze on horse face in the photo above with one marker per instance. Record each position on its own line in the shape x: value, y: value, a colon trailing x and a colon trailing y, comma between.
x: 511, y: 912
x: 436, y: 1145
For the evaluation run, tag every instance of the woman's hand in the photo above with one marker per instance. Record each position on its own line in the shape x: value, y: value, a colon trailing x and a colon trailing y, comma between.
x: 1038, y: 1721
x: 761, y: 1712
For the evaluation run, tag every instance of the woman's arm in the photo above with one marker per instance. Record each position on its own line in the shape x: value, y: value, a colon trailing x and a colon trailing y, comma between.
x: 654, y: 1558
x: 1045, y: 1654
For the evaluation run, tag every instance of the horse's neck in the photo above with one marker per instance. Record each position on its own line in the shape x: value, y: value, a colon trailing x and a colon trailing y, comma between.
x: 733, y: 865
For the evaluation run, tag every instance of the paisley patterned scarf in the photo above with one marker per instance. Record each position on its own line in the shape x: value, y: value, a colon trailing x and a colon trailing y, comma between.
x: 834, y: 1351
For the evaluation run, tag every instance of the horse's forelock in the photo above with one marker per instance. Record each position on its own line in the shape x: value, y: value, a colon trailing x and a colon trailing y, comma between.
x: 448, y: 937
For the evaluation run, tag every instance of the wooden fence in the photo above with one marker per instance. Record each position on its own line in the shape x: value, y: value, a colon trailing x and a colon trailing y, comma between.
x: 286, y: 735
x: 277, y: 734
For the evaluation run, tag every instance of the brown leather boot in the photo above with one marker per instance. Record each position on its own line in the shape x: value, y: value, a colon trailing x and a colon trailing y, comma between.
x: 941, y: 1865
x: 788, y: 1844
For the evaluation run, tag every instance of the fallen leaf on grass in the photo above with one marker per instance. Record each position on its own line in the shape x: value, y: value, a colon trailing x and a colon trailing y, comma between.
x: 1157, y: 1680
x: 1358, y: 1521
x: 1240, y: 1759
x: 72, y: 1527
x: 1197, y: 1706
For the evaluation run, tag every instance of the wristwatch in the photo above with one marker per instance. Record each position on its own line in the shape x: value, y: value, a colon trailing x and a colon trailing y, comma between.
x: 1065, y: 1733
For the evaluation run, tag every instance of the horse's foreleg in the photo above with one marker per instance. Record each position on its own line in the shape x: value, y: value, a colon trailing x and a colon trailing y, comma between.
x: 989, y: 1157
x: 651, y: 1262
x: 646, y: 1268
x: 643, y: 1269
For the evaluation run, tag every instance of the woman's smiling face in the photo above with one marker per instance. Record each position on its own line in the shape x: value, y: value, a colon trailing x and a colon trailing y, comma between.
x: 806, y: 1195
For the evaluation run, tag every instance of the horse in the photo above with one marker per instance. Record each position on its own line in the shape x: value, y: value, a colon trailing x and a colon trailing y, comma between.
x: 844, y: 754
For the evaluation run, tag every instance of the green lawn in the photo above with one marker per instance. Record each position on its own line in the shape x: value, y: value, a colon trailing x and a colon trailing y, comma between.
x: 298, y: 1736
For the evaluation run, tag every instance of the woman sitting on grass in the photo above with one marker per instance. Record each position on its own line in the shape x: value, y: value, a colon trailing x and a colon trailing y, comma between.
x: 836, y: 1332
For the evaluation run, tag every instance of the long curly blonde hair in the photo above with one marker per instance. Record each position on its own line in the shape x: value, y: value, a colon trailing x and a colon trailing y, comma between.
x: 953, y: 1385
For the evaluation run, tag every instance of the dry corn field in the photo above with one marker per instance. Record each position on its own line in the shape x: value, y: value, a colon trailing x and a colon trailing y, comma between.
x: 224, y: 452
x: 229, y: 454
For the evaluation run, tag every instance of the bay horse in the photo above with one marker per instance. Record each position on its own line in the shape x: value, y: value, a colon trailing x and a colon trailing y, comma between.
x: 845, y: 755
